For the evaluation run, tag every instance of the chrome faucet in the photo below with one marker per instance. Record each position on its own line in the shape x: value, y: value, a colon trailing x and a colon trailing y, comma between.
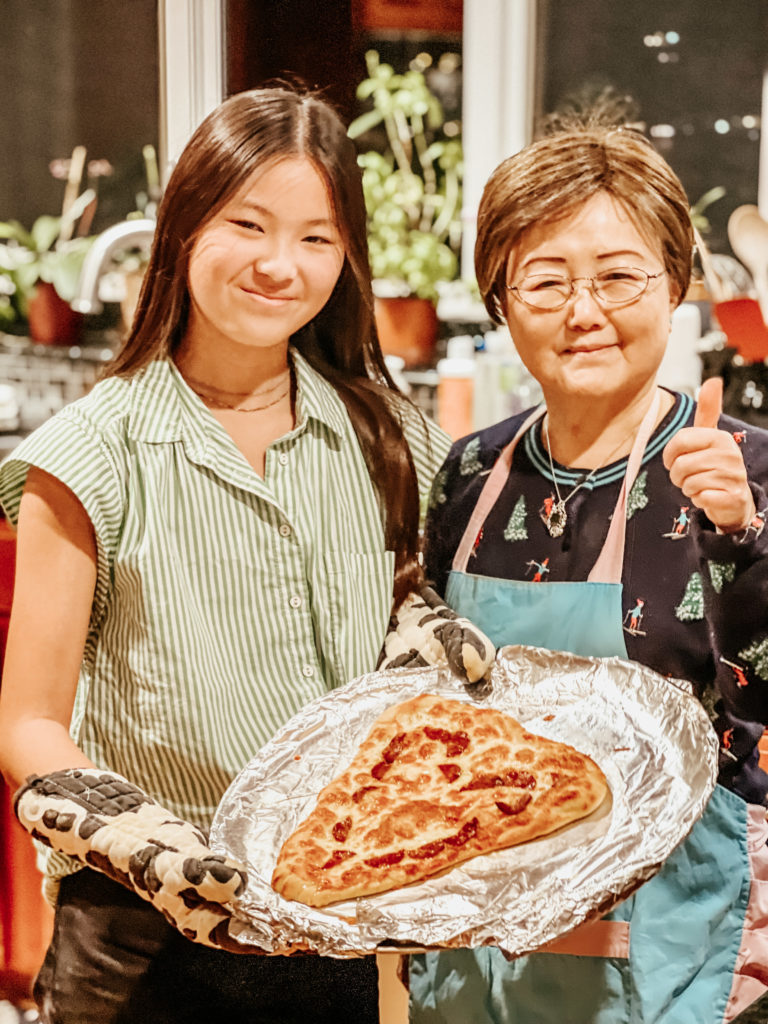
x: 119, y: 236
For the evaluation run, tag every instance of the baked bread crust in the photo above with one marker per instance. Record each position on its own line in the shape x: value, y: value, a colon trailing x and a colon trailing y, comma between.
x: 435, y: 782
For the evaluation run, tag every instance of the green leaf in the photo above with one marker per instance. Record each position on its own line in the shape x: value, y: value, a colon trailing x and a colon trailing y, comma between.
x: 27, y: 276
x: 366, y: 88
x: 709, y: 197
x: 63, y: 271
x: 435, y: 116
x: 364, y: 123
x: 45, y: 231
x: 13, y: 229
x: 78, y: 207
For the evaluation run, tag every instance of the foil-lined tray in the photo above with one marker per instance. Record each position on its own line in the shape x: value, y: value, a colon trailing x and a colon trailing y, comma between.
x: 649, y: 735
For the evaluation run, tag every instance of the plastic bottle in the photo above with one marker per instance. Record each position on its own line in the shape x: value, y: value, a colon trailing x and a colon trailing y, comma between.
x: 681, y: 367
x: 455, y: 387
x: 503, y: 386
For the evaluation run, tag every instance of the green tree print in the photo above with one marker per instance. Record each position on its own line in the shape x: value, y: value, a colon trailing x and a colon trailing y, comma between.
x: 691, y: 607
x: 756, y: 655
x: 470, y: 463
x: 638, y: 497
x: 721, y: 573
x: 516, y: 528
x: 437, y: 495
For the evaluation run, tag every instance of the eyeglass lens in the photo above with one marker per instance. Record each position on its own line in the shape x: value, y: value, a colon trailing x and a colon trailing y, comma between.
x: 550, y: 291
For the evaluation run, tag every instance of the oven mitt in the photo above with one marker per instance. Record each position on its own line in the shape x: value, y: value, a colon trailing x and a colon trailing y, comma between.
x: 425, y: 631
x: 106, y: 823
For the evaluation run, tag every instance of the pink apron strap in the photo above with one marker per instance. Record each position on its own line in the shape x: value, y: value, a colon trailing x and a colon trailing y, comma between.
x: 607, y: 568
x: 610, y: 561
x: 493, y: 487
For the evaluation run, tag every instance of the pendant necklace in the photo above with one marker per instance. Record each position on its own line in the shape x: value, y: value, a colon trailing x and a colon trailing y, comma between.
x: 553, y: 513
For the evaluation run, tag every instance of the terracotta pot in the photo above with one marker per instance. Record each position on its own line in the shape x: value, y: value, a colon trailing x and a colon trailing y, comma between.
x: 407, y: 328
x: 52, y: 321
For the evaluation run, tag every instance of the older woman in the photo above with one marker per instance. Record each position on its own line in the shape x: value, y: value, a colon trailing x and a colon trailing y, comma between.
x: 614, y: 520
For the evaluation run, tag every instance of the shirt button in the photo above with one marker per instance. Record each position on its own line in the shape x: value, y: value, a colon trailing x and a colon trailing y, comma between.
x: 295, y: 601
x: 282, y: 458
x: 285, y: 530
x: 308, y: 670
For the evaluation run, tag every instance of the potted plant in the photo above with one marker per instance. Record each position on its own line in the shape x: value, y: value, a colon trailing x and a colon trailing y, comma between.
x: 412, y: 190
x: 40, y: 269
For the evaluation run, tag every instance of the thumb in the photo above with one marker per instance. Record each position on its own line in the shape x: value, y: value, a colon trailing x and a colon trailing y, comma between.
x: 710, y: 403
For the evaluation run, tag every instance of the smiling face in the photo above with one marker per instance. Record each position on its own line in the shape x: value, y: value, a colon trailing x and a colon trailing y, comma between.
x: 589, y: 350
x: 265, y: 264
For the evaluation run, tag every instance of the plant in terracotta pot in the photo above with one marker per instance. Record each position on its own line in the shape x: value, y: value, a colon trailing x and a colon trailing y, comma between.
x: 40, y: 268
x: 412, y: 190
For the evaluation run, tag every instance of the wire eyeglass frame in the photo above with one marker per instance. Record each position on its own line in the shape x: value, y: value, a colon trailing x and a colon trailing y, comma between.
x: 593, y: 283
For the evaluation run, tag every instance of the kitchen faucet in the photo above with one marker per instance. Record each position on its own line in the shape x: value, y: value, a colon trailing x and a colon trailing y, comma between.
x: 119, y: 236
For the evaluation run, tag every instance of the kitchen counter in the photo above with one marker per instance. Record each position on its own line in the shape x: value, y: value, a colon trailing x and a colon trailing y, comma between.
x: 47, y: 377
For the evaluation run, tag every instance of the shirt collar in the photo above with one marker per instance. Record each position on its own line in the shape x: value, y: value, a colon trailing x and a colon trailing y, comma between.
x: 316, y: 398
x: 164, y: 409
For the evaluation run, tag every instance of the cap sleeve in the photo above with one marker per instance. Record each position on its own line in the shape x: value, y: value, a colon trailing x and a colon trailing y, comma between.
x: 73, y: 450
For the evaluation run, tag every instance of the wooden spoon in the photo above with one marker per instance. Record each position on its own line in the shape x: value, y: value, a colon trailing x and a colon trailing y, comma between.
x: 748, y: 235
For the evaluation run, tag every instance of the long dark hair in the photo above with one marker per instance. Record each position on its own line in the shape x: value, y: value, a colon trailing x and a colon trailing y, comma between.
x: 246, y: 132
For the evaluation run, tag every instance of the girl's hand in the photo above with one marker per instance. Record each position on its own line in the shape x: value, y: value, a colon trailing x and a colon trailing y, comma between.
x: 706, y: 464
x: 423, y: 630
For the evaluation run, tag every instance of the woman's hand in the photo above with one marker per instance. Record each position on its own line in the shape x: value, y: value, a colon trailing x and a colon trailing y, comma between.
x: 706, y: 464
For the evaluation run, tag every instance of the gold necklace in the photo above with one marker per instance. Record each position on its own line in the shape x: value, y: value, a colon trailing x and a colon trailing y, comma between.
x: 276, y: 383
x: 217, y: 403
x: 556, y: 517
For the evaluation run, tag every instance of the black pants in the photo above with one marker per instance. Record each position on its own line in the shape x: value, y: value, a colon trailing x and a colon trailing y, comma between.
x: 114, y: 959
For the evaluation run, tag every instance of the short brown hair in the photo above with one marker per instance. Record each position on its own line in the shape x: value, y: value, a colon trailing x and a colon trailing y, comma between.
x: 556, y: 175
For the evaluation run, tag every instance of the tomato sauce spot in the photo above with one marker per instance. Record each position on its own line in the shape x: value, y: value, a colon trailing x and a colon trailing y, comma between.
x: 337, y: 857
x: 341, y: 829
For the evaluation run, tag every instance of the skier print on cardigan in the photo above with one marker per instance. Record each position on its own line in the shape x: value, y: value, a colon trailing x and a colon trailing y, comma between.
x: 635, y: 617
x: 681, y: 524
x: 542, y: 568
x: 738, y: 671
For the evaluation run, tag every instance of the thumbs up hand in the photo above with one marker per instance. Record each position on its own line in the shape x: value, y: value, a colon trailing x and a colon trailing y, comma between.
x: 707, y: 465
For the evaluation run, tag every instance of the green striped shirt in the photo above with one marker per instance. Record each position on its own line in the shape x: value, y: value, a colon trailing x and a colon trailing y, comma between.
x: 224, y: 602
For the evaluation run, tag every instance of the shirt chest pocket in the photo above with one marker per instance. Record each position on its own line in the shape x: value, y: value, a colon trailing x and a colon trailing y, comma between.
x: 353, y: 619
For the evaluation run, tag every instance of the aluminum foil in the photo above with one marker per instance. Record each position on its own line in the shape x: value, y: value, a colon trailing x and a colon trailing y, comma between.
x: 649, y: 735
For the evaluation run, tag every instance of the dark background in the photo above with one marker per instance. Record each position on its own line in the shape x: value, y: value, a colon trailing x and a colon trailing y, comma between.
x: 86, y: 72
x: 714, y: 72
x: 75, y: 72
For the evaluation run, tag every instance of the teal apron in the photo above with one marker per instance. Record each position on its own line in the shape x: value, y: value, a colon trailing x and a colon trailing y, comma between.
x: 684, y: 926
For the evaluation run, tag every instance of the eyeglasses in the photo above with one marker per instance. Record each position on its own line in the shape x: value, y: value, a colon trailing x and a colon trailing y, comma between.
x: 615, y: 287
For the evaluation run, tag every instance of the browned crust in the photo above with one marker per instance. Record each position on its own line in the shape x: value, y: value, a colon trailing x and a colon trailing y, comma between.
x: 429, y: 805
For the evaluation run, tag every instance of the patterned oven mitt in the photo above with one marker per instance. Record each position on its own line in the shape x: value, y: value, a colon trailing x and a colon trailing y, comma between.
x: 425, y: 631
x: 107, y: 823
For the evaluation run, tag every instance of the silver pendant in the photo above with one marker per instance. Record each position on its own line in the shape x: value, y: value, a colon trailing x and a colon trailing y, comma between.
x: 556, y: 520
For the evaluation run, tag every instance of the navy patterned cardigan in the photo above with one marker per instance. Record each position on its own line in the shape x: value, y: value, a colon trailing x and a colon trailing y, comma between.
x: 695, y: 603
